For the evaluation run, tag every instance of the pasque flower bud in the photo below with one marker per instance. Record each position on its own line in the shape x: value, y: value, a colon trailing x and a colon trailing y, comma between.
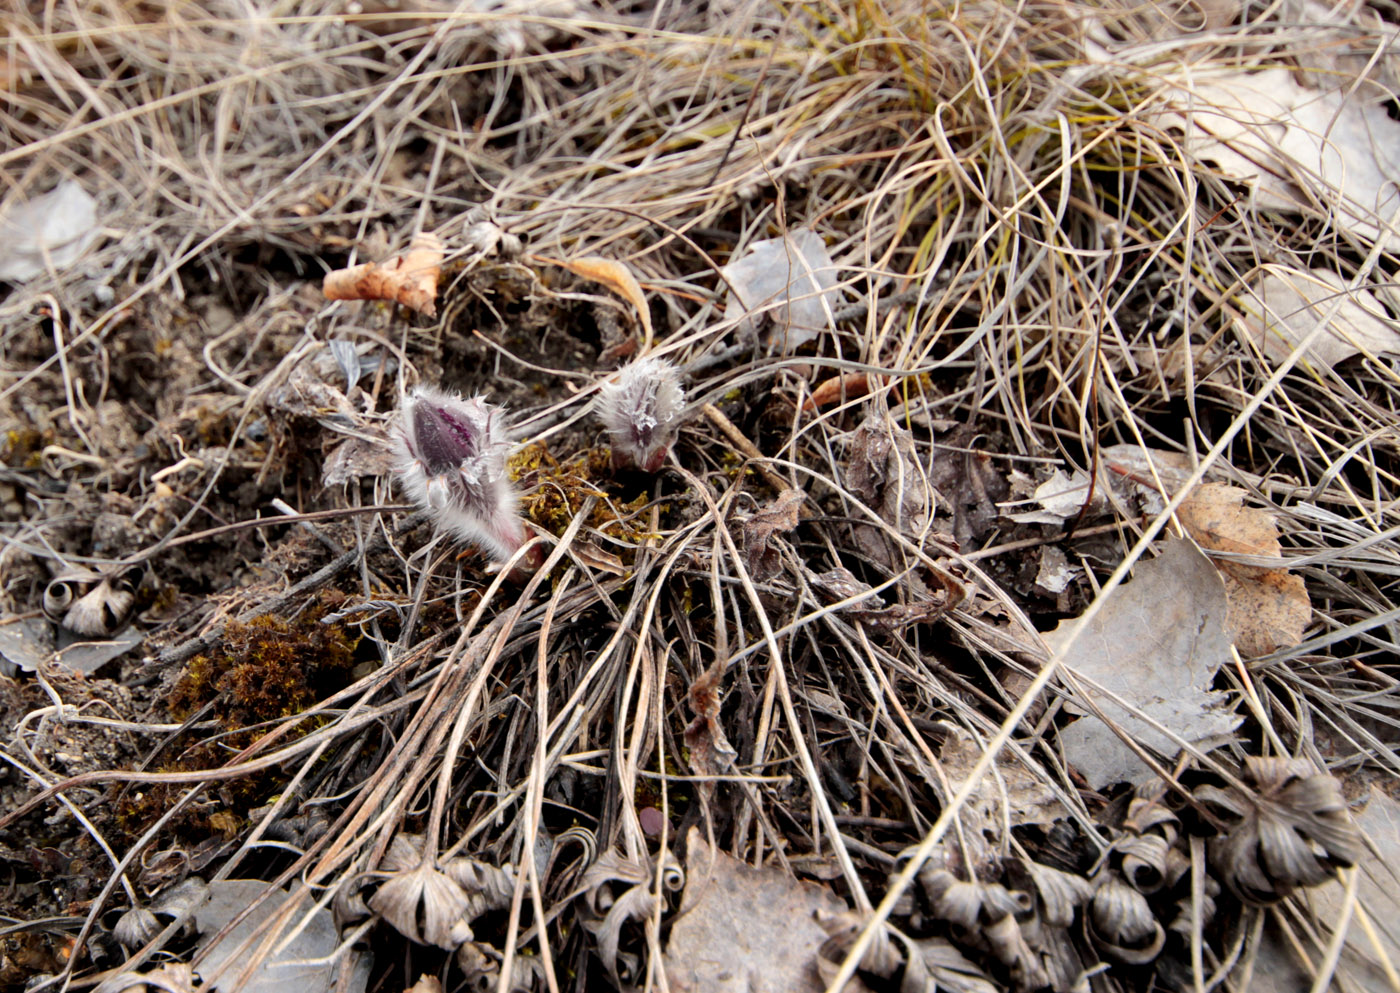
x: 452, y: 461
x: 642, y: 409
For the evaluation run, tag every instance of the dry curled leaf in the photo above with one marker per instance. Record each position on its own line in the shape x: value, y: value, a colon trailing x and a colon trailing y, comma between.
x: 1267, y: 609
x: 925, y: 965
x: 410, y: 279
x: 1293, y: 830
x: 1121, y: 924
x: 841, y: 389
x: 616, y: 889
x: 425, y: 906
x: 884, y: 472
x: 616, y: 277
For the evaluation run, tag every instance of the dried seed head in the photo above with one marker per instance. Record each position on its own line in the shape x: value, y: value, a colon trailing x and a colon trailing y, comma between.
x: 642, y: 410
x: 452, y: 461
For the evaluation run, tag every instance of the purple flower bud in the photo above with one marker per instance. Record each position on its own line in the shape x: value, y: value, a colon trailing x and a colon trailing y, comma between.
x: 452, y: 461
x: 642, y: 410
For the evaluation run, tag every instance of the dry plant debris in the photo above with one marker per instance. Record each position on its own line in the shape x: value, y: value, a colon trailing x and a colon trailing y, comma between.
x: 1268, y: 608
x: 742, y: 928
x: 1156, y: 646
x: 410, y: 279
x: 890, y: 333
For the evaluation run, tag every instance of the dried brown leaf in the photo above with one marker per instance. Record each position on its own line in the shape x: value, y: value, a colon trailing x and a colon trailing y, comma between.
x: 410, y: 279
x: 779, y: 517
x: 838, y: 389
x: 1267, y: 608
x: 616, y: 277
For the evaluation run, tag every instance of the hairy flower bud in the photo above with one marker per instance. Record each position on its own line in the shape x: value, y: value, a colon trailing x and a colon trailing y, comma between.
x: 641, y: 410
x: 452, y: 461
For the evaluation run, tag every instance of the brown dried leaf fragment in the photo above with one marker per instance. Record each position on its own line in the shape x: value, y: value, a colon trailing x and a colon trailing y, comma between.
x: 1267, y: 609
x: 779, y: 517
x: 839, y: 389
x: 884, y: 472
x: 410, y: 279
x: 616, y: 277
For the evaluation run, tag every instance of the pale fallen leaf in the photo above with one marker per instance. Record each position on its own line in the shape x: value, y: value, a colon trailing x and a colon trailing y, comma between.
x: 742, y: 929
x: 1062, y: 497
x: 1284, y: 306
x: 1157, y: 644
x: 1010, y: 797
x: 1055, y: 573
x: 356, y: 458
x: 1268, y: 608
x: 300, y: 964
x: 52, y: 229
x: 788, y: 281
x: 597, y: 558
x: 618, y: 278
x: 1294, y: 145
x: 410, y: 279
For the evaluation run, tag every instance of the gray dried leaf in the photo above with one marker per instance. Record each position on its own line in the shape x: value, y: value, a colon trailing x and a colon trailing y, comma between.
x: 841, y: 584
x: 173, y: 977
x: 64, y: 589
x: 950, y: 898
x: 1142, y: 860
x: 742, y: 928
x: 26, y: 643
x: 788, y: 284
x: 136, y: 927
x: 89, y: 656
x: 1378, y: 889
x: 55, y: 228
x: 405, y: 852
x: 180, y: 900
x: 1157, y: 645
x: 305, y: 394
x: 928, y: 965
x: 228, y: 962
x: 1006, y: 942
x: 1060, y: 893
x: 1009, y: 794
x: 357, y: 458
x: 102, y: 610
x: 486, y: 886
x: 883, y: 469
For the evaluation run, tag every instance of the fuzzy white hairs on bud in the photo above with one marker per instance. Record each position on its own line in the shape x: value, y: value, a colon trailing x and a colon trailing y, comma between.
x: 641, y: 410
x: 452, y: 462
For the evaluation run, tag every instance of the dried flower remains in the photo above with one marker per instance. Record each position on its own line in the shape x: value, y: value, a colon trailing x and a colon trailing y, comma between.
x: 641, y: 410
x: 452, y: 461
